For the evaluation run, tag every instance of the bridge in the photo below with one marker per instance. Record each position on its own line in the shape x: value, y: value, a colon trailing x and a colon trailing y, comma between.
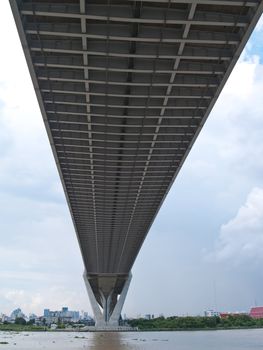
x: 124, y: 88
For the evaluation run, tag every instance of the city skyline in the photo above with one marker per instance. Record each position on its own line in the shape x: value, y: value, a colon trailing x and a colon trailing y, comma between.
x: 209, y: 231
x: 46, y: 312
x: 205, y: 312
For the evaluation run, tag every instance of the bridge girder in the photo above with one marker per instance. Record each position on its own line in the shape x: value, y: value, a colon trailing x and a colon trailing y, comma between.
x: 124, y: 87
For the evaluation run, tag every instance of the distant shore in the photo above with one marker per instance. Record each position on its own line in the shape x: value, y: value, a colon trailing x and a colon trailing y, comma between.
x: 195, y: 329
x: 41, y: 329
x: 159, y: 324
x: 22, y: 328
x: 196, y: 323
x: 130, y: 331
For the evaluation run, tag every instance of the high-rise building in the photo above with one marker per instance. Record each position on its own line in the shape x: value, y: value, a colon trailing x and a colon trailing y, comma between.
x: 17, y: 313
x: 46, y: 312
x: 63, y: 316
x: 65, y: 309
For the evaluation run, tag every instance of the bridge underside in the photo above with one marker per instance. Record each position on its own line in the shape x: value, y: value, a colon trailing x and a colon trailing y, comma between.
x: 125, y: 87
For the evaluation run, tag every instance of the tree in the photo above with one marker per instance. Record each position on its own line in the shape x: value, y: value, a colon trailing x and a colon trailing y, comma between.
x: 30, y: 322
x: 20, y: 320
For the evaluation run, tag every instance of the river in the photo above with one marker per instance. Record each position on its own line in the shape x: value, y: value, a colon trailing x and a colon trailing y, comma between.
x: 198, y: 340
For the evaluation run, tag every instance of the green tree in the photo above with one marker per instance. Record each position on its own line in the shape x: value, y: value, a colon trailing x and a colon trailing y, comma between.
x: 20, y: 320
x: 31, y: 322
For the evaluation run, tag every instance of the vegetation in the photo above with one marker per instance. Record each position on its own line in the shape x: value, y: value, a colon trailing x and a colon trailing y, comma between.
x: 20, y: 320
x: 194, y: 323
x: 61, y: 325
x: 20, y: 327
x: 32, y: 321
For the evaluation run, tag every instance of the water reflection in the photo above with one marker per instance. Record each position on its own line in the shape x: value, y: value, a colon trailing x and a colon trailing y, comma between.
x: 110, y: 341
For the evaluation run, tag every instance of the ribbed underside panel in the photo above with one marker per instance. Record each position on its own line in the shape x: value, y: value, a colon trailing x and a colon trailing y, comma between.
x: 125, y: 87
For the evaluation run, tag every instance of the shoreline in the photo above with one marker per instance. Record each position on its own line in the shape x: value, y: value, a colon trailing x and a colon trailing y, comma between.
x: 196, y: 329
x: 18, y: 330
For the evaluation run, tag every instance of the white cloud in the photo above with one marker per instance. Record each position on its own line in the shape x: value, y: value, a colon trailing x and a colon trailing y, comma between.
x: 40, y: 261
x: 241, y: 239
x: 259, y: 25
x: 26, y: 162
x: 53, y: 298
x: 40, y: 238
x: 227, y: 156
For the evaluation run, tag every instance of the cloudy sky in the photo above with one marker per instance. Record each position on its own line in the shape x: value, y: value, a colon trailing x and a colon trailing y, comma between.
x: 205, y: 249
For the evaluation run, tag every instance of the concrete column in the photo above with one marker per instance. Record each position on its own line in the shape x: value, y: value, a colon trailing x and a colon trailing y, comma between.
x: 106, y: 318
x: 115, y: 316
x: 106, y: 302
x: 94, y: 304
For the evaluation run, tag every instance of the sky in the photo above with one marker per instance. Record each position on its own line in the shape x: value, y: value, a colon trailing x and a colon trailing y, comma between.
x: 204, y: 250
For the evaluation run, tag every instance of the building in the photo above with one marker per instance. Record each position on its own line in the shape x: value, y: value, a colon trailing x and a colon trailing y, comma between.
x: 232, y: 314
x: 256, y: 312
x: 211, y: 313
x: 84, y: 315
x: 17, y: 313
x: 75, y: 316
x: 46, y: 312
x: 63, y: 316
x: 32, y: 317
x: 53, y: 317
x: 4, y: 318
x: 64, y: 311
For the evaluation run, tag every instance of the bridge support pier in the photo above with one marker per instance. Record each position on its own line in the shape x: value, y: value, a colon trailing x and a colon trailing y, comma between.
x: 105, y: 315
x: 94, y: 304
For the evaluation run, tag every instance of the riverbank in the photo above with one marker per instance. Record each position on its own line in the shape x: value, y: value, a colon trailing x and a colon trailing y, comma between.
x: 194, y: 329
x: 74, y: 330
x: 159, y: 324
x: 21, y: 328
x: 196, y: 323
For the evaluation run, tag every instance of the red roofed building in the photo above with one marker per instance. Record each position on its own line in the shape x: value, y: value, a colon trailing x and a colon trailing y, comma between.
x: 256, y: 312
x: 225, y: 314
